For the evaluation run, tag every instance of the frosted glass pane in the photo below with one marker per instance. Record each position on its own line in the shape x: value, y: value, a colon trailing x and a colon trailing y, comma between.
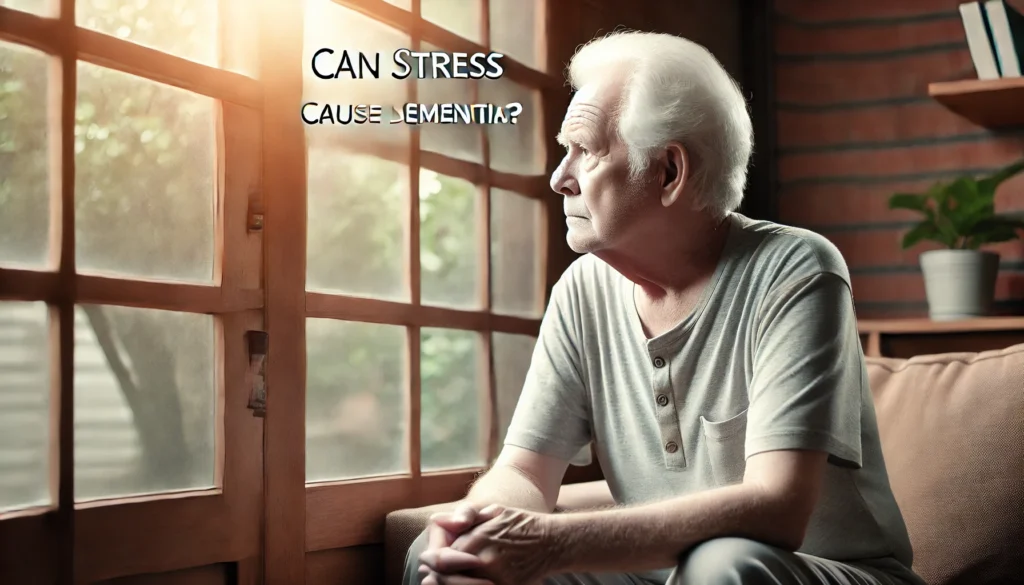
x: 515, y: 148
x: 449, y: 241
x: 514, y: 29
x: 187, y: 28
x: 512, y: 355
x: 25, y: 437
x: 40, y: 7
x: 356, y: 407
x: 515, y: 265
x: 451, y: 417
x: 145, y: 178
x: 462, y: 141
x: 368, y: 80
x: 145, y: 401
x: 357, y: 210
x: 24, y: 157
x: 462, y: 17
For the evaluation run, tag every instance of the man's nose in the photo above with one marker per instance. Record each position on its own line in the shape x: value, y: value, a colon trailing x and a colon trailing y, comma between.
x: 563, y: 183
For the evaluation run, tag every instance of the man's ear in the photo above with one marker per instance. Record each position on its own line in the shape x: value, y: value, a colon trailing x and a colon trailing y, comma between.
x: 676, y: 168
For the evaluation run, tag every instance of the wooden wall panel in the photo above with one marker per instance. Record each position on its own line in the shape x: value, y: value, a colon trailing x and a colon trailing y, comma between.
x: 855, y: 125
x: 341, y: 566
x: 208, y: 575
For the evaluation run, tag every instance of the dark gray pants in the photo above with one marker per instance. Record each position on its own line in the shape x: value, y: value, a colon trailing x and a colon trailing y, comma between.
x: 733, y: 561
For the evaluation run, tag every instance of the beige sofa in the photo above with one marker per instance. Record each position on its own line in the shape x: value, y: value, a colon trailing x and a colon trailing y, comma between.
x: 952, y: 428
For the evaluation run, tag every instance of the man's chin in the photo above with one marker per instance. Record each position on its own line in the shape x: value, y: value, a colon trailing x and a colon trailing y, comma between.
x: 581, y: 244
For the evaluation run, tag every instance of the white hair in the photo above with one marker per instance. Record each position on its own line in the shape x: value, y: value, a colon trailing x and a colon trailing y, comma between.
x: 675, y: 91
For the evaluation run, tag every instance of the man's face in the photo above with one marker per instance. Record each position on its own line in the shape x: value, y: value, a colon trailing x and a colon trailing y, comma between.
x: 602, y: 206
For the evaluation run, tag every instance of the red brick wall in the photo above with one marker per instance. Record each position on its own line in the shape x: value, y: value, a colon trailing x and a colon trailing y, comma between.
x: 855, y: 124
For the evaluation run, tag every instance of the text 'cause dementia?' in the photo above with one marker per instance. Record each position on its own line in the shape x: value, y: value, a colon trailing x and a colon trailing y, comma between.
x: 327, y: 64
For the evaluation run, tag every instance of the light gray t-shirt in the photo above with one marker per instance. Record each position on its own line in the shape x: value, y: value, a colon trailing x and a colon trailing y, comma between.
x: 770, y: 359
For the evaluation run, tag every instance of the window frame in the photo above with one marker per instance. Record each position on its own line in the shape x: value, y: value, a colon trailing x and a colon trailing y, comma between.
x: 71, y: 542
x: 347, y: 513
x: 275, y: 516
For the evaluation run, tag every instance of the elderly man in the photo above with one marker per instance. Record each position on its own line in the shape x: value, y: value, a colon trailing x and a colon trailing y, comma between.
x: 713, y: 361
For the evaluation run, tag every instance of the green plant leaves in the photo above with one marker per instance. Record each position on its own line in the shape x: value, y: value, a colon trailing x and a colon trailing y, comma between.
x: 989, y: 184
x: 926, y: 230
x: 961, y: 213
x: 994, y: 230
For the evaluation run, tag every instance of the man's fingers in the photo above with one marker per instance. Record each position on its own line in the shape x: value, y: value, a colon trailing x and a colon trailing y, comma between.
x: 435, y: 579
x: 438, y: 537
x: 460, y: 580
x: 470, y: 542
x: 458, y: 521
x: 489, y: 513
x: 447, y: 561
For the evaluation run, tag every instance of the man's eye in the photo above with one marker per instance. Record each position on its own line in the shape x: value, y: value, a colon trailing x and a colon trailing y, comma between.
x: 583, y: 149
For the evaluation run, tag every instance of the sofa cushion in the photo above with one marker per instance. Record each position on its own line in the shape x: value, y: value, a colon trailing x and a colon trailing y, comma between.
x: 952, y: 431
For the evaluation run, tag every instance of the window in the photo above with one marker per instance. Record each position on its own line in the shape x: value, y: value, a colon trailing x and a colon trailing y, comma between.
x: 127, y: 283
x: 424, y: 264
x: 162, y: 204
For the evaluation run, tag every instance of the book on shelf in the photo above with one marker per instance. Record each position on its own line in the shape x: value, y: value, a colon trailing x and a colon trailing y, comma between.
x: 1007, y: 28
x: 995, y: 38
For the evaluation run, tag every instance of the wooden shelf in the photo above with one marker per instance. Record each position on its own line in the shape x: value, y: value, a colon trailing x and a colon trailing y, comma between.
x: 929, y: 326
x: 993, y: 103
x: 904, y: 338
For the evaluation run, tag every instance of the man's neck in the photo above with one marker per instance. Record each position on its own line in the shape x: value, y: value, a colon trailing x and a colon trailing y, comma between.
x: 669, y: 261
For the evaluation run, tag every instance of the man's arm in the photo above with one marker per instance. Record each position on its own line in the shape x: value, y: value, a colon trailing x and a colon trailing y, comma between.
x: 520, y: 479
x: 591, y: 495
x: 773, y: 504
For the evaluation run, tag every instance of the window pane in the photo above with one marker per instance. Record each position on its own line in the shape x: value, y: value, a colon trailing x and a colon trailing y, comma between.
x: 365, y: 80
x: 356, y: 405
x: 24, y: 406
x: 406, y: 4
x: 462, y: 141
x: 514, y: 29
x: 449, y: 241
x: 187, y: 28
x: 451, y: 415
x: 24, y: 157
x: 145, y: 401
x: 40, y: 7
x: 512, y: 355
x: 515, y: 268
x: 144, y: 177
x: 462, y: 17
x: 357, y: 210
x: 518, y: 147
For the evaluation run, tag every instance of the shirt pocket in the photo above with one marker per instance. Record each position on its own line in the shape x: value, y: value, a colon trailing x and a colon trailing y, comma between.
x: 725, y: 446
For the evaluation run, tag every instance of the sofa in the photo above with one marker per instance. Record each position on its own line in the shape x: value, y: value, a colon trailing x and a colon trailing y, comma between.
x: 952, y: 430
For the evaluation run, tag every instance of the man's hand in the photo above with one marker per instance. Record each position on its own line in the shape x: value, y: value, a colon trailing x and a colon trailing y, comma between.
x: 510, y: 547
x: 445, y: 527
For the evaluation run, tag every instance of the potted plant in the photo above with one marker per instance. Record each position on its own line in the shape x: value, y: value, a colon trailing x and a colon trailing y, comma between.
x: 960, y: 279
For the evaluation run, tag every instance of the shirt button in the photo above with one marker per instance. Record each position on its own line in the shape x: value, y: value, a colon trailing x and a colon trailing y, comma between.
x: 662, y: 400
x: 671, y: 447
x: 659, y: 362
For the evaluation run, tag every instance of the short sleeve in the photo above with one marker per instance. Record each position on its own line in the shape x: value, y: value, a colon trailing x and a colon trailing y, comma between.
x: 552, y: 415
x: 807, y: 388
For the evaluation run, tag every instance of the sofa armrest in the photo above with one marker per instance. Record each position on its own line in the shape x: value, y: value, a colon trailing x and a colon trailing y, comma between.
x: 401, y: 528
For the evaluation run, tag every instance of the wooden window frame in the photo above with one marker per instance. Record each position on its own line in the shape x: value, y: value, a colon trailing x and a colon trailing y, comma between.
x: 340, y: 514
x: 261, y: 285
x: 69, y: 542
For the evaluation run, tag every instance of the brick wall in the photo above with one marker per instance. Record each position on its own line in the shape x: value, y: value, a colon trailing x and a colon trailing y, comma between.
x: 855, y: 124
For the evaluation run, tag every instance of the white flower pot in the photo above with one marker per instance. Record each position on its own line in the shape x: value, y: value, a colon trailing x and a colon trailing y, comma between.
x: 960, y: 284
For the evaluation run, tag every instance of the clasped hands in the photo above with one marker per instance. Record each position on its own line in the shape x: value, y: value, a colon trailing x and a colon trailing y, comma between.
x: 492, y: 545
